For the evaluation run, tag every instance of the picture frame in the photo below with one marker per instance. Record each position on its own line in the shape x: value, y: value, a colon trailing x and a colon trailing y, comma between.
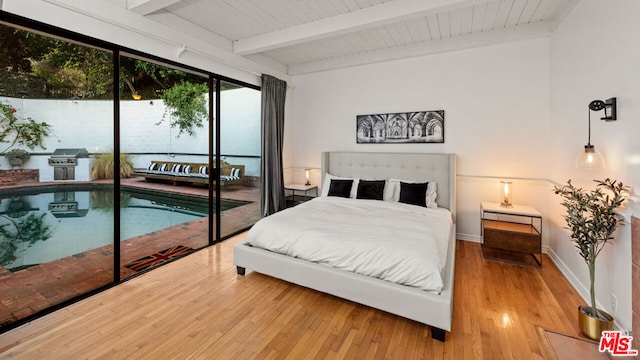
x: 401, y: 127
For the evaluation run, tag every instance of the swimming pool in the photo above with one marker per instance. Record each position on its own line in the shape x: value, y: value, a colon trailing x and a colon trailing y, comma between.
x: 42, y: 225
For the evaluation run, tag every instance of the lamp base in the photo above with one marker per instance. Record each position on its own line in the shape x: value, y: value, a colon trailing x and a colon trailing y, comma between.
x: 507, y: 205
x: 307, y: 183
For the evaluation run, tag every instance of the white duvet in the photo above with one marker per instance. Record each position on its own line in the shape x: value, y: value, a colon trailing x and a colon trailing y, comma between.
x: 396, y: 242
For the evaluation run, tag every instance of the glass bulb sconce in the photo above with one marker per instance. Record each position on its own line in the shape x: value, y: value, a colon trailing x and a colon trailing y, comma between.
x: 590, y: 157
x: 307, y: 173
x: 506, y: 193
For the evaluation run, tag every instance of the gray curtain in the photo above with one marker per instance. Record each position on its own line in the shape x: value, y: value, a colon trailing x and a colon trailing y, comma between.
x: 274, y: 92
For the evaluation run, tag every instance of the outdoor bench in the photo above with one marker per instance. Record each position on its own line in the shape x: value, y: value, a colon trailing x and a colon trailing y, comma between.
x: 195, y: 173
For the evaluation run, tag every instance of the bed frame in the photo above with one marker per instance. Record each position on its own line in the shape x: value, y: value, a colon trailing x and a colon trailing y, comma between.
x: 428, y: 308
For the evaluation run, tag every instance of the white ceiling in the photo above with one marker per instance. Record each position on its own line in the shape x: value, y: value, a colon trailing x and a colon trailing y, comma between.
x: 302, y: 36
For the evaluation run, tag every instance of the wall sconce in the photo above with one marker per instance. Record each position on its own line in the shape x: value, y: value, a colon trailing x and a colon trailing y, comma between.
x: 506, y: 192
x: 590, y: 158
x: 307, y: 173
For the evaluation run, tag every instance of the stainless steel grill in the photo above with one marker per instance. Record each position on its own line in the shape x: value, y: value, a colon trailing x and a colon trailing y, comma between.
x: 64, y: 205
x: 64, y: 162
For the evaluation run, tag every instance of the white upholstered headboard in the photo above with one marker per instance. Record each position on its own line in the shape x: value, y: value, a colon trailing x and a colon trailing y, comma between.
x: 440, y: 168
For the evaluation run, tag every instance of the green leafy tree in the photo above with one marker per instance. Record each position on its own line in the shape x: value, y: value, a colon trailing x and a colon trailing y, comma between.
x: 186, y: 106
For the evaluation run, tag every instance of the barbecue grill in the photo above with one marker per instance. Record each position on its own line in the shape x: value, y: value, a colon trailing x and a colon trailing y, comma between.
x: 64, y: 162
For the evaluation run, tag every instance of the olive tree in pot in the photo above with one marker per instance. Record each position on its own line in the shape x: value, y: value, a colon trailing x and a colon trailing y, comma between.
x: 592, y: 219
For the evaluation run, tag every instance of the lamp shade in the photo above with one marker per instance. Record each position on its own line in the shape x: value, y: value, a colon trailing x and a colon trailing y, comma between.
x: 589, y: 158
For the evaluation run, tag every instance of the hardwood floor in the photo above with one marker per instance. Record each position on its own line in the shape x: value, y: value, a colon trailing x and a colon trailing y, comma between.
x: 198, y: 308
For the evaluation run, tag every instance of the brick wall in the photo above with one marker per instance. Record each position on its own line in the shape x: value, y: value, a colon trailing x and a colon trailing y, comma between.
x: 635, y: 282
x: 19, y: 176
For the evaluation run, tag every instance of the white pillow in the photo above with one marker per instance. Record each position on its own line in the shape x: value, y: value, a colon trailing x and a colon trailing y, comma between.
x: 327, y: 183
x: 391, y: 190
x: 431, y: 195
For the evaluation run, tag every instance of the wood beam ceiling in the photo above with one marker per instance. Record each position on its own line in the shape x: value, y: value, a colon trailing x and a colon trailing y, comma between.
x: 366, y: 18
x: 146, y: 7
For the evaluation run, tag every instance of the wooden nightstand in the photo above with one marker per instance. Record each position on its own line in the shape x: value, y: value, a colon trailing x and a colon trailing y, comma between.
x: 512, y: 234
x: 293, y: 199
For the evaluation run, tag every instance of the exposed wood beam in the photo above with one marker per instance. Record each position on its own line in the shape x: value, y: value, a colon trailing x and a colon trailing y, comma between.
x: 370, y: 17
x: 146, y: 7
x: 530, y: 31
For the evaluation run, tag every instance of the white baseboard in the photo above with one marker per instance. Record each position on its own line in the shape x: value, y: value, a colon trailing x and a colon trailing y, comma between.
x: 580, y: 288
x: 467, y: 237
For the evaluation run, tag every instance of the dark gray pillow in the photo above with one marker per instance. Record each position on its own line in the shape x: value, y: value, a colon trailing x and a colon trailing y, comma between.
x: 370, y: 189
x: 413, y: 193
x: 341, y: 188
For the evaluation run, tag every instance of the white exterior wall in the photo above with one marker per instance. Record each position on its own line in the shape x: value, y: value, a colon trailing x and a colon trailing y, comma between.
x: 89, y: 124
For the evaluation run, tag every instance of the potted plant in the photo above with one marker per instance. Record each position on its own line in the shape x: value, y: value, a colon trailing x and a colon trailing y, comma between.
x: 17, y: 156
x: 592, y: 219
x: 103, y: 166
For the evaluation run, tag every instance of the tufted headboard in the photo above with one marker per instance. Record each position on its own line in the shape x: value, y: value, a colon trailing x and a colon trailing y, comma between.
x: 440, y: 168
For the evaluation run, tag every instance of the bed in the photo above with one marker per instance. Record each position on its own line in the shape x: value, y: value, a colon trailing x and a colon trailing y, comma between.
x: 432, y: 307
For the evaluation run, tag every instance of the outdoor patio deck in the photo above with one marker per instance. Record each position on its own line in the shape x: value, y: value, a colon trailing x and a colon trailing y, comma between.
x: 28, y: 291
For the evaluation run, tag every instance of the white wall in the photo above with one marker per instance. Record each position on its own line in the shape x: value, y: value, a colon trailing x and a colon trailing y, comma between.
x: 514, y: 111
x: 594, y: 54
x: 496, y: 117
x: 89, y: 124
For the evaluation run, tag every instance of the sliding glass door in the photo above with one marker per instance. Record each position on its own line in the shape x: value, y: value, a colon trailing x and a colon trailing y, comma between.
x: 164, y: 160
x: 112, y: 163
x: 56, y: 113
x: 240, y: 153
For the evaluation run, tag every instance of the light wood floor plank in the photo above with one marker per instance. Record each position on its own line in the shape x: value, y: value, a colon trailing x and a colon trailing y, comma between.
x: 198, y: 308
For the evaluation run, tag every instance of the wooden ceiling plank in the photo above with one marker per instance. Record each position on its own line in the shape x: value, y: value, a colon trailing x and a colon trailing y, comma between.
x: 535, y: 30
x: 385, y: 36
x: 373, y: 38
x: 516, y: 12
x: 395, y: 34
x: 479, y: 12
x: 434, y: 27
x: 418, y: 29
x: 387, y: 13
x: 246, y: 9
x: 352, y: 5
x: 445, y: 25
x: 529, y: 10
x: 404, y: 32
x: 455, y: 21
x: 466, y: 20
x: 502, y: 14
x: 490, y: 15
x: 146, y: 7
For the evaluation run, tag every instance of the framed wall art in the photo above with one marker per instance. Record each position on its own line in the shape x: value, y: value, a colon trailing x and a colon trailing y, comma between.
x: 403, y: 127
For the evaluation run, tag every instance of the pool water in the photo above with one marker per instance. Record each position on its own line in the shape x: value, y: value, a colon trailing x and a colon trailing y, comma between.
x: 36, y: 228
